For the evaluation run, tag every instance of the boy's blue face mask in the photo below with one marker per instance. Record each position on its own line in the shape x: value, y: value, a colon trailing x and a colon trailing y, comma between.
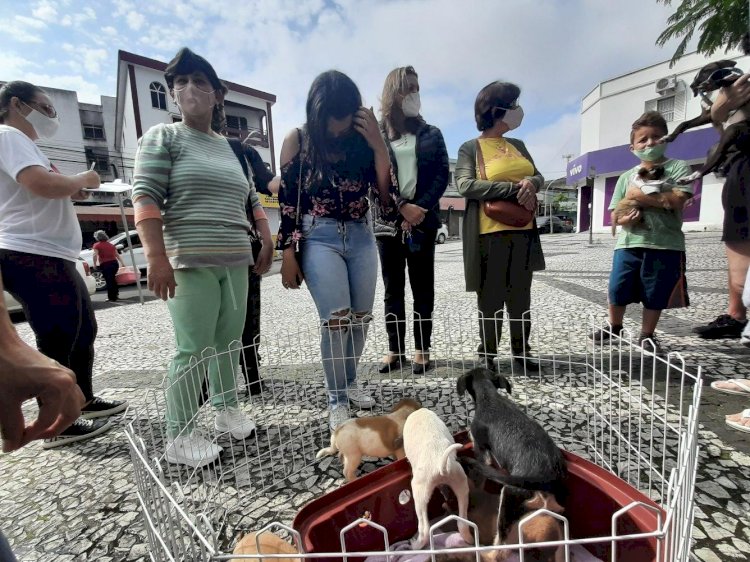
x: 652, y: 153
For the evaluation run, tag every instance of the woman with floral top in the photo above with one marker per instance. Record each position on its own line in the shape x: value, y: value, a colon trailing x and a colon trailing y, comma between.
x: 337, y: 158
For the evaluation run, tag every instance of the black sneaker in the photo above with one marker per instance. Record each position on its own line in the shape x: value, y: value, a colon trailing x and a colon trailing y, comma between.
x: 79, y: 431
x: 651, y: 344
x: 605, y: 334
x: 100, y: 408
x: 723, y: 327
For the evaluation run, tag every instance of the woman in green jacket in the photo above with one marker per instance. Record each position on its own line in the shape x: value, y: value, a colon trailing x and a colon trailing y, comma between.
x: 499, y: 259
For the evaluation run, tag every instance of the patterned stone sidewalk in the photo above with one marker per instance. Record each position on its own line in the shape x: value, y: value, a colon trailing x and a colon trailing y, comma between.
x: 79, y: 503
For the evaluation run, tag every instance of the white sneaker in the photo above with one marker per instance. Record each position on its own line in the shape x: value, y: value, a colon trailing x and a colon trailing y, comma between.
x: 236, y: 422
x: 359, y: 398
x: 193, y: 450
x: 338, y: 415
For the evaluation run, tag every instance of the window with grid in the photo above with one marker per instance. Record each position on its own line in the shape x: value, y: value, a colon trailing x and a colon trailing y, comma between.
x: 234, y: 122
x: 94, y: 132
x: 665, y: 106
x: 100, y: 161
x: 158, y: 96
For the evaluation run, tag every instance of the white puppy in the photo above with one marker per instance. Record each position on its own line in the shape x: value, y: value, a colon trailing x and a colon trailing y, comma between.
x: 431, y: 450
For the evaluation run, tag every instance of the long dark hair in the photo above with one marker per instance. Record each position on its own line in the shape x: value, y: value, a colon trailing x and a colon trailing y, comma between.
x: 332, y: 94
x: 24, y: 91
x: 186, y: 62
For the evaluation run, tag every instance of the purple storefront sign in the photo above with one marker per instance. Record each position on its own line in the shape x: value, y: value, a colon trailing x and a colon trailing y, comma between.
x: 692, y: 145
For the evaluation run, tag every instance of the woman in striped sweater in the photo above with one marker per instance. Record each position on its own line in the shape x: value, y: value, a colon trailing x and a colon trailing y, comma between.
x: 189, y: 193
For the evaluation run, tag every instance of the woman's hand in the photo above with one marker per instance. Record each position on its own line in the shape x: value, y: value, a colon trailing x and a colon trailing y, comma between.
x: 366, y: 125
x: 265, y: 257
x: 414, y: 214
x: 161, y: 278
x: 526, y: 195
x: 291, y: 274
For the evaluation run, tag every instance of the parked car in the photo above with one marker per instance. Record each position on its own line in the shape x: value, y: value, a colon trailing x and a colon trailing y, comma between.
x: 121, y: 244
x: 83, y: 269
x: 442, y: 234
x: 543, y: 224
x: 567, y: 220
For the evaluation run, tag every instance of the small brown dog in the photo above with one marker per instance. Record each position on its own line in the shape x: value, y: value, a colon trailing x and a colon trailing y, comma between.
x: 483, y: 508
x: 269, y: 544
x: 644, y: 179
x: 376, y: 436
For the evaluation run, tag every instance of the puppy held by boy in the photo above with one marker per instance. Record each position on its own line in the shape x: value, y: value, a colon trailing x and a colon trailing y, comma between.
x: 431, y: 450
x: 375, y: 436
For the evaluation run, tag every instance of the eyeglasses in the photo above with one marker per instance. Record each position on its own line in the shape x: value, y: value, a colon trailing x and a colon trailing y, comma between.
x: 47, y: 109
x: 510, y: 106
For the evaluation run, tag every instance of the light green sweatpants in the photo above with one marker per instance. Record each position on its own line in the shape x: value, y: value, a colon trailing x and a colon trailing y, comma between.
x: 208, y: 313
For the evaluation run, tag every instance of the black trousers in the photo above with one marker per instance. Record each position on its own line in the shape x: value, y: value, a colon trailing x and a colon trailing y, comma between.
x: 109, y: 271
x: 395, y: 257
x: 249, y: 358
x: 505, y: 282
x: 57, y: 307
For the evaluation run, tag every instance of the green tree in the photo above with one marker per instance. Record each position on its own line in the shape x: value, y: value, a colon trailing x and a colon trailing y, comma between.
x: 720, y: 23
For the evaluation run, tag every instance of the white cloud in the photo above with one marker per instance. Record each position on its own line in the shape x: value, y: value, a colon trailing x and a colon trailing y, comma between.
x: 135, y: 20
x: 550, y: 143
x: 22, y: 35
x: 85, y: 58
x: 26, y: 21
x: 45, y: 11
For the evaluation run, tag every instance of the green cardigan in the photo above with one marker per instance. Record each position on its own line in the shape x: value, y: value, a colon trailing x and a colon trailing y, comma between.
x: 477, y: 190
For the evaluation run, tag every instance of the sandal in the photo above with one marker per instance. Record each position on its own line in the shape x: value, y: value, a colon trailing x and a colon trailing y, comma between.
x: 743, y: 386
x: 737, y: 425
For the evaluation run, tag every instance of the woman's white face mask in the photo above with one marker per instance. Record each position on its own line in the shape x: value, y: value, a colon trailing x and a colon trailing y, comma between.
x: 411, y: 104
x: 44, y: 125
x: 193, y: 101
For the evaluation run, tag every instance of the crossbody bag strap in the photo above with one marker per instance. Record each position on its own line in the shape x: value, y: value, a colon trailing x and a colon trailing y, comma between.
x: 299, y: 185
x: 480, y: 161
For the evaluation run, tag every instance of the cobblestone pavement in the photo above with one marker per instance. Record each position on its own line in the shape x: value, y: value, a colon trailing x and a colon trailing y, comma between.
x: 79, y: 502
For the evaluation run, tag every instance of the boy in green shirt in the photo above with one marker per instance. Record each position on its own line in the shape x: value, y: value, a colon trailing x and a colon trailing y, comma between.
x: 649, y: 260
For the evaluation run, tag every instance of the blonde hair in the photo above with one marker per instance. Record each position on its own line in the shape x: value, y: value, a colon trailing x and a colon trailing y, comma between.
x: 395, y: 84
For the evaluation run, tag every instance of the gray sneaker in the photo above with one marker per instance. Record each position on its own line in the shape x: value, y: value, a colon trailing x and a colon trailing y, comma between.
x: 338, y: 415
x: 651, y: 345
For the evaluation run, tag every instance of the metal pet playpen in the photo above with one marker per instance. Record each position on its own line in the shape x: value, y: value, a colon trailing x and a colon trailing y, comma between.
x: 626, y: 419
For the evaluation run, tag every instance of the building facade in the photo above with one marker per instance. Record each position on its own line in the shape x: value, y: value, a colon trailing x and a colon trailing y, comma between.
x: 607, y: 113
x: 106, y: 135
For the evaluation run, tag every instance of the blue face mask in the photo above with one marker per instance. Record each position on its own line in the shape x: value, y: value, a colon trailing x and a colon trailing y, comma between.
x: 652, y: 153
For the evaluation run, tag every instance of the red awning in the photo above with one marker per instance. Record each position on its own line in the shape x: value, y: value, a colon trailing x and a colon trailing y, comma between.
x: 458, y: 203
x: 99, y: 213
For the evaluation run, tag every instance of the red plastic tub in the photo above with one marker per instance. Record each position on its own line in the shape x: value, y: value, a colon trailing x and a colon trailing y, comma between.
x: 594, y: 496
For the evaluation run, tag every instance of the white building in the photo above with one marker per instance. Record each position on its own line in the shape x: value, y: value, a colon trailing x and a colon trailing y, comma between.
x: 607, y: 114
x: 107, y: 135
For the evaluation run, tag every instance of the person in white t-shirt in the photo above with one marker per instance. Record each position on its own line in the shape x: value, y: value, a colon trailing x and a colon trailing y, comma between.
x: 40, y: 240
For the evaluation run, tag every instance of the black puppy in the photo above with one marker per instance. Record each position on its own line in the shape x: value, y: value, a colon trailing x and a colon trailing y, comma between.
x: 527, y: 459
x: 734, y: 138
x: 503, y: 433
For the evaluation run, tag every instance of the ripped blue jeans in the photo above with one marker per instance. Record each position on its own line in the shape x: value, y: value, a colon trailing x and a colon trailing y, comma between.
x: 339, y: 262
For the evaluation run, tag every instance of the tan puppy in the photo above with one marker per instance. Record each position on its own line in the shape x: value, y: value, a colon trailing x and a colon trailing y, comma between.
x: 541, y: 528
x: 269, y: 544
x: 376, y: 436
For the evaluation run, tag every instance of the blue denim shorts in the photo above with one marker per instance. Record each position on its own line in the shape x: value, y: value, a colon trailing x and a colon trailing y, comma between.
x: 655, y: 278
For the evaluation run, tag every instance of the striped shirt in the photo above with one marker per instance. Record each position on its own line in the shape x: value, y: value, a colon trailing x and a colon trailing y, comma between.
x: 198, y: 183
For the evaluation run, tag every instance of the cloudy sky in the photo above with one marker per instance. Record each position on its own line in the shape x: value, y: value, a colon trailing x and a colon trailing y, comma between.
x: 556, y: 50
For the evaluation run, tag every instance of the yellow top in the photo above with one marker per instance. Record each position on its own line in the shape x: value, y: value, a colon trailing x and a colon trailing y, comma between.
x: 502, y: 162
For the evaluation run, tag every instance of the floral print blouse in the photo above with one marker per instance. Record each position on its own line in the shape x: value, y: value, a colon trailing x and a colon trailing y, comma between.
x: 343, y: 195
